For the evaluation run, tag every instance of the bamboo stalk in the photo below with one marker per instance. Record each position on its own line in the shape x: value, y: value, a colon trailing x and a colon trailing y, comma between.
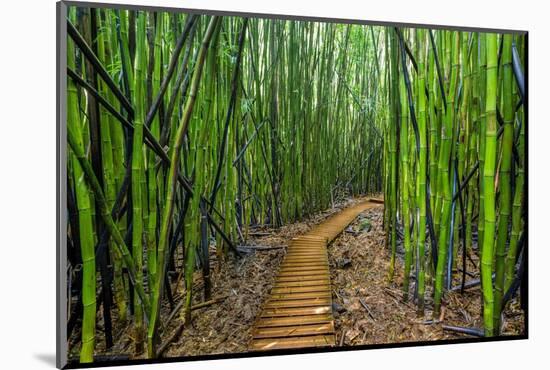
x: 85, y: 224
x: 504, y: 180
x: 489, y: 184
x: 172, y: 174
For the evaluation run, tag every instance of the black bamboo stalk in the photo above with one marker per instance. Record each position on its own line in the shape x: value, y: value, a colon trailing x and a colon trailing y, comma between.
x: 171, y: 68
x: 232, y: 100
x: 470, y: 331
x: 205, y: 252
x: 438, y: 69
x: 518, y: 71
x: 98, y: 66
x: 409, y: 90
x: 183, y: 77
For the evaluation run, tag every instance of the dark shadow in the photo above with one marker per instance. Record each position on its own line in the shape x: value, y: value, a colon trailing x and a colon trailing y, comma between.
x: 47, y: 358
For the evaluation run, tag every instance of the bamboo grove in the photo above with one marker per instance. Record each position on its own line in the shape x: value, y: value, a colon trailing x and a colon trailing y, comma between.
x: 455, y: 163
x: 186, y: 130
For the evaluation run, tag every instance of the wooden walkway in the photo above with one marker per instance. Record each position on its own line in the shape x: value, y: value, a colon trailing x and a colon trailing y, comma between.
x: 298, y: 311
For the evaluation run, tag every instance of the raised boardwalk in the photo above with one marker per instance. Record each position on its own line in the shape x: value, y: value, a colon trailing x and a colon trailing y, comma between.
x: 298, y: 311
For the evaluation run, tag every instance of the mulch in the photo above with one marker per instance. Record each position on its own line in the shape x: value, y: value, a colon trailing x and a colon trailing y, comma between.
x: 372, y: 310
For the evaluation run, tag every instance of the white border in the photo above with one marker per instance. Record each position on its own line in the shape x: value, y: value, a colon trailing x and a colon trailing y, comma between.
x: 28, y: 198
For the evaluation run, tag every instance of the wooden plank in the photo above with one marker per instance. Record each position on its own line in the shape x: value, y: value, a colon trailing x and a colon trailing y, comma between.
x: 301, y: 289
x: 294, y: 248
x: 314, y: 256
x: 307, y: 299
x: 293, y: 278
x: 295, y: 311
x: 313, y: 302
x: 294, y: 331
x: 311, y: 265
x: 306, y: 259
x: 293, y: 320
x: 290, y: 252
x: 296, y: 255
x: 298, y: 262
x: 301, y: 283
x: 313, y: 269
x: 309, y: 236
x: 301, y: 244
x: 293, y: 342
x: 307, y: 245
x: 321, y: 240
x: 314, y: 262
x: 301, y: 256
x: 303, y: 273
x: 306, y: 250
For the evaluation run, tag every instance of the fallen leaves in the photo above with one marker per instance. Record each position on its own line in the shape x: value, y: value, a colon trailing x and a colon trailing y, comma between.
x: 392, y: 320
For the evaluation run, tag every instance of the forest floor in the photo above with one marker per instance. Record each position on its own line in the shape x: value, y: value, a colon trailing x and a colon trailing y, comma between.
x: 227, y: 327
x: 370, y: 310
x: 367, y: 308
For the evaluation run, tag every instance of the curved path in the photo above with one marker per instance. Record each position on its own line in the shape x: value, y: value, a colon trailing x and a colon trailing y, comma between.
x: 298, y: 311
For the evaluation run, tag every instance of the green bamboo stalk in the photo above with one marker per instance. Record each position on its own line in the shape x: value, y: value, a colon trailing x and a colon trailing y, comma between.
x: 517, y: 208
x: 433, y: 125
x: 403, y: 142
x: 137, y: 174
x: 170, y: 190
x: 489, y: 183
x: 442, y: 107
x: 482, y: 86
x: 85, y: 222
x: 444, y: 165
x: 108, y: 172
x: 422, y: 171
x: 394, y: 96
x: 504, y: 178
x: 203, y: 151
x: 152, y: 169
x: 117, y: 139
x: 473, y: 119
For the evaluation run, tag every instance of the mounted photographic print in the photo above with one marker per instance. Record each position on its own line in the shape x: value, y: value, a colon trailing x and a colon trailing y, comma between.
x: 247, y: 184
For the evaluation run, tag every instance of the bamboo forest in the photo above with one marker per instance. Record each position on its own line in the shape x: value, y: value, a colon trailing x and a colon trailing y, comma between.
x: 243, y: 184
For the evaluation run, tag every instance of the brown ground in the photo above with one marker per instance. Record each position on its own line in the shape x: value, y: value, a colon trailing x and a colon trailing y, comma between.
x: 227, y: 327
x: 370, y: 310
x: 359, y: 272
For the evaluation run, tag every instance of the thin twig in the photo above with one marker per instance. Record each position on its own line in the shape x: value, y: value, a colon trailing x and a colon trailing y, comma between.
x: 364, y: 304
